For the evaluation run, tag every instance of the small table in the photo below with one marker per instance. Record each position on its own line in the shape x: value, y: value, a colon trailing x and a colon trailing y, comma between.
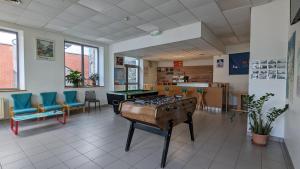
x: 14, y: 121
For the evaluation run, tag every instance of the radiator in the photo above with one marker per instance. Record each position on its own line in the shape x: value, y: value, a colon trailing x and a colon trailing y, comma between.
x: 2, y: 101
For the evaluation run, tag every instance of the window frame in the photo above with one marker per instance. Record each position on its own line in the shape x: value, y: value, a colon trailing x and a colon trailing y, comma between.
x: 82, y: 45
x: 18, y: 60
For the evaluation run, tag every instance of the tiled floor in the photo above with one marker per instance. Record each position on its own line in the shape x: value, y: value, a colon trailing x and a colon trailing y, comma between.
x: 97, y: 140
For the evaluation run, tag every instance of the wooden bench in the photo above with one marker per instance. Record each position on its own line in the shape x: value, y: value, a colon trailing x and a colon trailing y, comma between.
x: 14, y: 121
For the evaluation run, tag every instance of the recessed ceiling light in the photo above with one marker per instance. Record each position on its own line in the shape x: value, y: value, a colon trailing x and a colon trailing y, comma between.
x: 155, y: 33
x: 126, y: 18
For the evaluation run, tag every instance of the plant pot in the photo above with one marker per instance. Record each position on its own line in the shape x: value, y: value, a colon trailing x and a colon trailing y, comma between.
x: 260, y: 139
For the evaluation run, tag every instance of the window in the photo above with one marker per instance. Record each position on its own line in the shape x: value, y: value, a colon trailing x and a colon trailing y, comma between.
x: 9, y: 58
x: 132, y: 73
x: 84, y: 59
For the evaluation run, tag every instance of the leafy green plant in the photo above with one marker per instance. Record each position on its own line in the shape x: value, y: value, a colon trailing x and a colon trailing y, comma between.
x: 261, y: 123
x: 74, y: 77
x: 94, y: 77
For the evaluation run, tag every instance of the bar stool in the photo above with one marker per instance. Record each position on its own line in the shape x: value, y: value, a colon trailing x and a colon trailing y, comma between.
x: 201, y: 101
x: 167, y: 90
x: 184, y: 91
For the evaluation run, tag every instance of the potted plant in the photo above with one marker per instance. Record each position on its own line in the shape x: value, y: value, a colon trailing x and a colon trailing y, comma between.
x: 74, y: 77
x: 94, y: 77
x: 261, y: 122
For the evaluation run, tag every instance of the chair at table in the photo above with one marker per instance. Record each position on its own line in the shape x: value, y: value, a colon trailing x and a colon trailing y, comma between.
x: 49, y: 102
x: 22, y: 105
x: 90, y: 97
x: 71, y: 102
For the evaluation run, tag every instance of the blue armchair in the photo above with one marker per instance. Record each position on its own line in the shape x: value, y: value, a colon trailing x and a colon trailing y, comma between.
x: 49, y: 102
x: 71, y: 102
x: 22, y: 104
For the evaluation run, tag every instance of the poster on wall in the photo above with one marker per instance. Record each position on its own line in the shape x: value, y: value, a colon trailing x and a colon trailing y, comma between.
x: 119, y: 74
x: 239, y: 63
x: 220, y: 63
x: 119, y: 61
x: 177, y: 64
x: 268, y: 69
x: 290, y: 67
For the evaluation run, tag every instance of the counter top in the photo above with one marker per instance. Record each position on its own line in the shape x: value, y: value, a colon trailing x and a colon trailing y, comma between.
x: 193, y: 84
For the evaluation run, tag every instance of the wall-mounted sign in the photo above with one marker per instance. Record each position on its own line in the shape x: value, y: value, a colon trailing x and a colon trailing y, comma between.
x: 178, y: 63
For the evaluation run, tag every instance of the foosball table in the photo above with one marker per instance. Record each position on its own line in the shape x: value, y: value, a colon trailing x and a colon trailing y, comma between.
x: 158, y: 115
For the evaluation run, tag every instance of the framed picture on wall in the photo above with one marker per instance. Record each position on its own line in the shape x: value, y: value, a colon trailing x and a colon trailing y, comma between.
x: 45, y: 49
x: 239, y: 63
x: 220, y: 63
x: 119, y: 61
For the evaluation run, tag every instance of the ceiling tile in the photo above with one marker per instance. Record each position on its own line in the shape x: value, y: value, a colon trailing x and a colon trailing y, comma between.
x: 184, y: 18
x: 107, y: 30
x: 61, y: 23
x: 231, y: 4
x: 43, y: 9
x: 24, y: 3
x: 194, y: 3
x: 31, y: 22
x: 148, y: 27
x: 133, y: 6
x: 134, y: 21
x: 9, y: 17
x: 105, y: 40
x: 102, y: 19
x: 238, y: 15
x: 118, y: 26
x: 221, y: 30
x: 10, y: 9
x: 259, y: 2
x: 70, y: 18
x: 60, y: 4
x: 150, y: 14
x: 80, y: 11
x: 155, y: 2
x: 164, y: 23
x: 55, y: 27
x: 241, y: 29
x: 171, y: 7
x: 116, y: 13
x: 97, y: 5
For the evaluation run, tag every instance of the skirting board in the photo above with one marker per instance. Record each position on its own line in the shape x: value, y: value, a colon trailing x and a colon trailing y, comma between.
x: 286, y: 154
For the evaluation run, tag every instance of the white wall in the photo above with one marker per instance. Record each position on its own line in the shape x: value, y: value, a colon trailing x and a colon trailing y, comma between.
x: 292, y: 117
x: 269, y: 39
x: 192, y: 62
x: 41, y: 75
x: 237, y: 83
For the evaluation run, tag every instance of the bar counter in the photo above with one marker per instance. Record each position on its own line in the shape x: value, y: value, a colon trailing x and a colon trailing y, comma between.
x: 214, y: 95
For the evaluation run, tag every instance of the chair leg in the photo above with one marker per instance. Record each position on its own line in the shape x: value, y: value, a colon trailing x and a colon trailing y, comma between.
x: 83, y: 109
x: 89, y: 104
x: 190, y: 122
x: 129, y: 138
x: 99, y: 106
x: 166, y: 146
x: 68, y: 109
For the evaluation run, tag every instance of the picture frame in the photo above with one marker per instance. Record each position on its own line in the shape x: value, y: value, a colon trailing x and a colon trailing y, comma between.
x: 119, y: 61
x: 45, y: 49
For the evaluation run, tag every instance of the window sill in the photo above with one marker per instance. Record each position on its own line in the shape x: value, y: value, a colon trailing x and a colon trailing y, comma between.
x: 71, y: 87
x: 11, y: 90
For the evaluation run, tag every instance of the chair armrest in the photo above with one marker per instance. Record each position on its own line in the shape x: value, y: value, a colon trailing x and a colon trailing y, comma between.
x: 11, y: 111
x: 41, y: 108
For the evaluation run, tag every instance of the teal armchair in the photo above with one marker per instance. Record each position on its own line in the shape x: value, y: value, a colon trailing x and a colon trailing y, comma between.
x: 49, y: 102
x: 71, y: 102
x: 22, y: 105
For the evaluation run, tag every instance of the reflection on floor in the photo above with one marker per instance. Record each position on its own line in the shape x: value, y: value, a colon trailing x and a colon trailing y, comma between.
x: 97, y: 140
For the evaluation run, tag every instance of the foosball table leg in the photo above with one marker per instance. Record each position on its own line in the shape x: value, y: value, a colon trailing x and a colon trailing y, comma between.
x: 190, y: 122
x: 129, y: 138
x: 166, y: 146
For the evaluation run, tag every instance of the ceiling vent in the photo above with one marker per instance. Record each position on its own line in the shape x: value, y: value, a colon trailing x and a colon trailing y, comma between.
x: 15, y: 1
